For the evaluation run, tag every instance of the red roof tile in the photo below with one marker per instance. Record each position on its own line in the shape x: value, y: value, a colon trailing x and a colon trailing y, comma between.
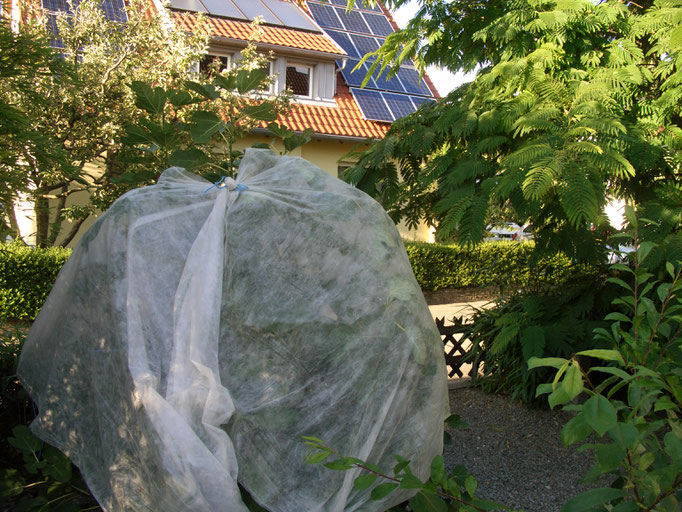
x: 278, y: 36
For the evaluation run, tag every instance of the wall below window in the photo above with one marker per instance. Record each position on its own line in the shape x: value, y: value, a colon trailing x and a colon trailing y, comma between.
x: 326, y: 155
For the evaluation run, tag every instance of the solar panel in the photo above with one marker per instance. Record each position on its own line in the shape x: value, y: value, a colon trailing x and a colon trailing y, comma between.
x: 388, y: 84
x: 353, y: 21
x: 355, y: 78
x: 420, y: 100
x: 399, y: 104
x: 254, y: 8
x: 325, y: 16
x: 188, y: 5
x: 55, y: 40
x: 217, y: 7
x: 56, y: 5
x: 365, y: 5
x: 290, y: 15
x: 362, y: 31
x: 359, y: 4
x: 343, y: 40
x: 378, y: 24
x: 412, y: 82
x: 364, y: 44
x: 372, y: 105
x: 114, y: 10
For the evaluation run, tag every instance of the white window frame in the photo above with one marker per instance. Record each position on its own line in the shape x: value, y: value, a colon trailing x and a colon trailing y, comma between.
x: 271, y: 73
x: 215, y: 53
x: 311, y: 84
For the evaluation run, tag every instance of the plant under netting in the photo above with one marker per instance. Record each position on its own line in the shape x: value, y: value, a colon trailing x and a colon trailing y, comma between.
x: 198, y: 331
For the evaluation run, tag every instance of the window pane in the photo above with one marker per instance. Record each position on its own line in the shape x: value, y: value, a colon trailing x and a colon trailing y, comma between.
x: 212, y: 63
x: 298, y: 80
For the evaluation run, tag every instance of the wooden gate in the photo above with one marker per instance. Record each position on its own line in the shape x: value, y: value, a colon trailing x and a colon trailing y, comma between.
x: 457, y: 342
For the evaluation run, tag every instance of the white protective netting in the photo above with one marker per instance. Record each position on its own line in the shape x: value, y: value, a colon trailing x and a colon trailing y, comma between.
x: 193, y: 337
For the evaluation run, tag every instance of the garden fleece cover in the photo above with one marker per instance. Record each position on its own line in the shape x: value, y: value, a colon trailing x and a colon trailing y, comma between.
x: 195, y: 335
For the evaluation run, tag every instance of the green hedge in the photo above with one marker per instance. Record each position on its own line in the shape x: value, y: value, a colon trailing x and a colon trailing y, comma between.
x: 488, y: 264
x: 26, y: 277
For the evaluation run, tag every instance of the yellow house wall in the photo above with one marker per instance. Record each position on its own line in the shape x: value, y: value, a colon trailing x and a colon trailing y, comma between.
x: 326, y: 154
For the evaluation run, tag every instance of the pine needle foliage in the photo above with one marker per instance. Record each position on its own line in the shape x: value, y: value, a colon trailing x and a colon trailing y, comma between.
x: 575, y: 102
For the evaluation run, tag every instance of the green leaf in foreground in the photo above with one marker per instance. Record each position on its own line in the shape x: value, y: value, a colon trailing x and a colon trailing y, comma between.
x: 554, y: 362
x: 575, y: 430
x: 608, y: 355
x: 188, y: 158
x: 590, y: 499
x: 423, y: 502
x: 364, y: 481
x: 383, y: 490
x: 600, y: 414
x: 318, y: 457
x: 11, y: 484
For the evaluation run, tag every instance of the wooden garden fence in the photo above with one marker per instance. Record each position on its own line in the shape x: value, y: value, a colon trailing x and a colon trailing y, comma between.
x: 457, y: 342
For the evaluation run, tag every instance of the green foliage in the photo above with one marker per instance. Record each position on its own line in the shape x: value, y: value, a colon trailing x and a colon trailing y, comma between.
x: 634, y: 396
x: 554, y: 321
x: 574, y: 102
x: 24, y: 59
x: 196, y: 125
x: 439, y: 493
x: 489, y: 264
x: 26, y: 278
x: 78, y: 111
x: 34, y: 476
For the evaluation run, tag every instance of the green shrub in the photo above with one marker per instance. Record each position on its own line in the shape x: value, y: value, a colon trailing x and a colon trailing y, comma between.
x: 34, y: 476
x: 26, y: 278
x: 488, y: 264
x: 554, y: 322
x: 632, y: 409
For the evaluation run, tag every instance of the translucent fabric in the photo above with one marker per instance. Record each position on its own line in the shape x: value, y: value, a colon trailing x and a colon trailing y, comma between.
x: 197, y: 332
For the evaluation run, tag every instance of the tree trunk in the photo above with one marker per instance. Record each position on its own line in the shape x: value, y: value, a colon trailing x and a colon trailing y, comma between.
x: 74, y: 231
x: 42, y: 213
x: 56, y: 226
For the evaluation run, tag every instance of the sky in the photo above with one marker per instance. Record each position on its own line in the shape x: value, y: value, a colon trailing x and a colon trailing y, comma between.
x: 441, y: 78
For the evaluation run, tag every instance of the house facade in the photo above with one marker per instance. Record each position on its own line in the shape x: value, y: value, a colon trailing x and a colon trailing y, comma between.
x: 314, y: 47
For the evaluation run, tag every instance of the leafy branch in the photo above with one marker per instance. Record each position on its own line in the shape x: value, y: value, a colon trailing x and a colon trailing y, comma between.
x: 437, y: 494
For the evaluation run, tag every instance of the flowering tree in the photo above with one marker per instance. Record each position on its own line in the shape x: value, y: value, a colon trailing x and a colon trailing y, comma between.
x: 77, y: 114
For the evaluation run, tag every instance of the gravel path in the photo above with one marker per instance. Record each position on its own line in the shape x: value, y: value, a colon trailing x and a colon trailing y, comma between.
x: 515, y: 453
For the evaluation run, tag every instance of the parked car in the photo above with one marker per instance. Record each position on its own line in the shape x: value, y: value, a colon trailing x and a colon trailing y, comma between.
x: 508, y: 231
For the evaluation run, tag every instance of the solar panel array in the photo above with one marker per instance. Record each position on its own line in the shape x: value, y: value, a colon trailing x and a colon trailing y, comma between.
x: 114, y: 10
x: 359, y: 32
x: 273, y: 12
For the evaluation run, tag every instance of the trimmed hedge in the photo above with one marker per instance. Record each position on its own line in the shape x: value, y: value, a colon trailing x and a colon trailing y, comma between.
x: 488, y: 264
x: 27, y: 275
x: 26, y: 278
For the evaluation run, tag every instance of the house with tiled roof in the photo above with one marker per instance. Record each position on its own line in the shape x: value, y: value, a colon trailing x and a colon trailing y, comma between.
x: 315, y: 47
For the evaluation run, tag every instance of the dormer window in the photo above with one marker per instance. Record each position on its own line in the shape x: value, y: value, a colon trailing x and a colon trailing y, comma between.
x: 299, y: 79
x: 211, y: 64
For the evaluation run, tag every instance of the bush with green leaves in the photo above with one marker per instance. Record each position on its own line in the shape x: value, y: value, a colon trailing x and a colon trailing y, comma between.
x: 574, y: 102
x: 34, y: 476
x: 488, y: 264
x: 26, y: 278
x: 554, y: 321
x: 633, y: 400
x: 196, y: 125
